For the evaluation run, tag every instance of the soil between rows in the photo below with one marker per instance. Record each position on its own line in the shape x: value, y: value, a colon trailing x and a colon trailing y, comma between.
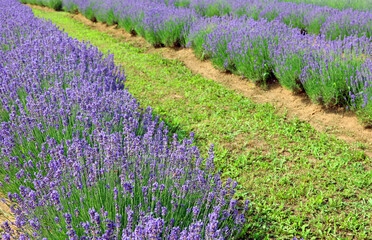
x: 5, y: 213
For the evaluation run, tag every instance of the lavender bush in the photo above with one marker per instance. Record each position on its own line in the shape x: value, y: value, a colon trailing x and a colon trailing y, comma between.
x: 81, y: 160
x: 240, y: 45
x: 206, y: 8
x: 330, y: 72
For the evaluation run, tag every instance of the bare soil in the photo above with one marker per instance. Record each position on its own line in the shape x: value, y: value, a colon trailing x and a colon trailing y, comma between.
x: 6, y: 215
x: 336, y: 121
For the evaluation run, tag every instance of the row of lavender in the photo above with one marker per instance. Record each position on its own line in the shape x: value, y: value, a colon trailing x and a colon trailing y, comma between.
x: 340, y: 4
x: 81, y: 160
x: 332, y: 72
x: 330, y: 22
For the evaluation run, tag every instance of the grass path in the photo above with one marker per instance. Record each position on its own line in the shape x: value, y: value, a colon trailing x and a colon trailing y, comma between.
x: 301, y: 182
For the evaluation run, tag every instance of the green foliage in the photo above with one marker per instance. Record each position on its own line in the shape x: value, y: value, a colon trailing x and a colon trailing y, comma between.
x: 55, y: 4
x: 197, y: 43
x: 90, y: 14
x: 171, y: 34
x: 365, y: 114
x: 181, y: 3
x: 288, y: 70
x: 72, y: 8
x: 127, y: 23
x: 217, y: 9
x: 328, y: 85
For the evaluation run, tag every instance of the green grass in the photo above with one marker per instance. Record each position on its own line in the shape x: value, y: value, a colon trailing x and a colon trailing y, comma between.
x: 300, y: 182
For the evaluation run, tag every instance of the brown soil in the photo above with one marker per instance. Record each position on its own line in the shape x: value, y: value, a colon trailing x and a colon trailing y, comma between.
x: 6, y: 215
x: 338, y: 122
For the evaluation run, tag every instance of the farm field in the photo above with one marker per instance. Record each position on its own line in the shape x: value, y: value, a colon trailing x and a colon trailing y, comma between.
x: 300, y: 182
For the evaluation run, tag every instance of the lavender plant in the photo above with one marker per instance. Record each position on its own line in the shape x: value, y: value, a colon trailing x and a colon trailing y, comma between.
x: 81, y: 160
x: 210, y: 8
x: 163, y: 25
x: 239, y: 44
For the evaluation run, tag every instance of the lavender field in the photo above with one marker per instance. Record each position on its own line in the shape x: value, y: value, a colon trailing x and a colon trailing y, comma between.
x: 81, y: 158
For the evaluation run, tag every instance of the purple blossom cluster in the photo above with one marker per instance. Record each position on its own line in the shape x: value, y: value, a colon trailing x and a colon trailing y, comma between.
x: 81, y: 160
x: 330, y: 72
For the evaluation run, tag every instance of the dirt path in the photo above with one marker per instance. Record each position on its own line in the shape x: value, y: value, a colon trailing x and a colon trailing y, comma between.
x: 5, y: 215
x: 342, y: 124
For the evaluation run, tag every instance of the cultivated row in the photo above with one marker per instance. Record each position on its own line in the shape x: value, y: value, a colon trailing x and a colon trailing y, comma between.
x: 340, y: 4
x: 309, y: 18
